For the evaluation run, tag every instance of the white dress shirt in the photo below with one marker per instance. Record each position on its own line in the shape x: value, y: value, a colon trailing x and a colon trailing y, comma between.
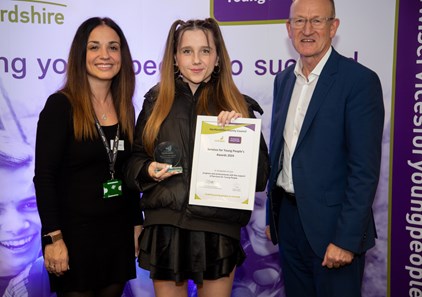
x: 301, y: 97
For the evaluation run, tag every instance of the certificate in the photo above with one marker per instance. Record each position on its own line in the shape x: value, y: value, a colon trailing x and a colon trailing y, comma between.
x: 225, y: 163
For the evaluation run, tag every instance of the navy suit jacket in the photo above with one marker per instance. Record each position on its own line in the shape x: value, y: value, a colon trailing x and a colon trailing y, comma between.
x: 336, y: 163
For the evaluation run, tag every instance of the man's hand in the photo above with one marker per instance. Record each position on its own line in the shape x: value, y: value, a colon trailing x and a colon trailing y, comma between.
x: 268, y: 232
x: 336, y: 257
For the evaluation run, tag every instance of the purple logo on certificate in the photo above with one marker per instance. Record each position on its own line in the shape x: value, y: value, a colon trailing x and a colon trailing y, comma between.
x: 250, y: 11
x: 235, y: 139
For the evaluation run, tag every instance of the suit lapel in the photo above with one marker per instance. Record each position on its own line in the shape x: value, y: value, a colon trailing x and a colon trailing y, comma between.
x: 323, y: 86
x: 284, y: 95
x: 285, y: 102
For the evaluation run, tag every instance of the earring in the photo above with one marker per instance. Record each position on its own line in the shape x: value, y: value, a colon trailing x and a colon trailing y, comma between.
x: 176, y: 70
x: 216, y: 70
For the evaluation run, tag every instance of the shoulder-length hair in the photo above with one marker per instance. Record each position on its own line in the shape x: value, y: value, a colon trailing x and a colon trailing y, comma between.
x: 220, y: 93
x: 77, y: 87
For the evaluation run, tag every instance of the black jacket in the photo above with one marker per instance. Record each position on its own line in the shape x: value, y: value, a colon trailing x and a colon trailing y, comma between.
x: 167, y: 202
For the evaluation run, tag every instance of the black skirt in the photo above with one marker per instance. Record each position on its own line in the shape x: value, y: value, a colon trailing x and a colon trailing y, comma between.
x: 172, y: 253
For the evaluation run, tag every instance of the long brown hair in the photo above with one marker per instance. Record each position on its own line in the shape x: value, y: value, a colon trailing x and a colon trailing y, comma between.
x: 77, y: 87
x: 221, y: 89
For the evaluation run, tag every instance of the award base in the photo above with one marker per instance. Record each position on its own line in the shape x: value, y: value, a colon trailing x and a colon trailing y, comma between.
x: 176, y: 169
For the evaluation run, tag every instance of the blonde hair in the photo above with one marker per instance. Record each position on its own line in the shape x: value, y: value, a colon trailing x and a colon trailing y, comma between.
x: 221, y: 89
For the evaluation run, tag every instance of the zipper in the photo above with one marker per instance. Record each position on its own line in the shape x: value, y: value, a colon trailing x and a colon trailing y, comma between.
x: 191, y: 136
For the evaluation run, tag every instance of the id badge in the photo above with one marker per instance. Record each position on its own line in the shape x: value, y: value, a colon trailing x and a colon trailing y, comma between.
x: 112, y: 188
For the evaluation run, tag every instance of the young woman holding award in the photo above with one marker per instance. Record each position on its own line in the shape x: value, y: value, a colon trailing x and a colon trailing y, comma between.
x: 180, y: 241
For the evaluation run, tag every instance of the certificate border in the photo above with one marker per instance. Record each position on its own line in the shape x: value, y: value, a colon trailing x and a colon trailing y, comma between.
x: 249, y: 202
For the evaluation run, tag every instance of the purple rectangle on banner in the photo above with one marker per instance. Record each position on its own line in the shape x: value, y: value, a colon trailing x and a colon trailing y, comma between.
x: 250, y: 10
x: 406, y: 188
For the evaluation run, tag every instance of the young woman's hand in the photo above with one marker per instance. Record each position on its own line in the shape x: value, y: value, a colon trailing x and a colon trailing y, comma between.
x: 159, y: 171
x: 225, y: 117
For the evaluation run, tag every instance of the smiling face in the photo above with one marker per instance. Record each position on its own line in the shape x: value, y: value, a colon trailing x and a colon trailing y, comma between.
x: 103, y: 55
x: 196, y: 57
x: 20, y: 225
x: 311, y: 43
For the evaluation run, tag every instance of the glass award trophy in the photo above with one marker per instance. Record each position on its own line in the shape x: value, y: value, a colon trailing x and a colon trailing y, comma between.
x: 168, y: 153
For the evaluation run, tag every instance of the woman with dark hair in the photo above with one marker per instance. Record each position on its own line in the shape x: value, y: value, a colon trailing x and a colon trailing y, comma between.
x: 182, y: 241
x: 84, y: 136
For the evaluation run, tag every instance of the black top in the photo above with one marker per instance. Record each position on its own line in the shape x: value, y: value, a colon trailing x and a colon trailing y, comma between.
x: 167, y: 202
x: 69, y: 177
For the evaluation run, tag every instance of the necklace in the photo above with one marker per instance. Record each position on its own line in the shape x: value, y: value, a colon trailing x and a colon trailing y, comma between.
x: 104, y: 112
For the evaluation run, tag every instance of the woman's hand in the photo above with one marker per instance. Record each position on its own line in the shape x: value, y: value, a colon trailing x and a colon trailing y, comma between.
x: 159, y: 171
x: 56, y: 258
x: 225, y: 117
x: 137, y: 232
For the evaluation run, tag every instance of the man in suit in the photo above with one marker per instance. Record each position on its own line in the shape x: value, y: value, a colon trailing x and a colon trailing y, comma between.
x: 325, y: 151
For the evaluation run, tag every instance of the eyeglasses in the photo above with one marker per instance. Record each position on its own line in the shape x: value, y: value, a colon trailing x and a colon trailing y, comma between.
x: 316, y: 23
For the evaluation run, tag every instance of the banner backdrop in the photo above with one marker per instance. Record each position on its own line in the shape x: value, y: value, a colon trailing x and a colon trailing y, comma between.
x: 406, y: 187
x: 35, y: 38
